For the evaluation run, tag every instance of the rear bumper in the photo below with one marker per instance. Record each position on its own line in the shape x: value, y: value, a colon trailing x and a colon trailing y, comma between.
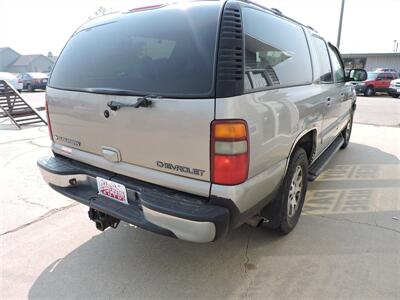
x: 151, y: 207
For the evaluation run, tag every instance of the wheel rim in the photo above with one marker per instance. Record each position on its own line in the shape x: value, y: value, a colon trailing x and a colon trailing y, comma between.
x: 295, y: 191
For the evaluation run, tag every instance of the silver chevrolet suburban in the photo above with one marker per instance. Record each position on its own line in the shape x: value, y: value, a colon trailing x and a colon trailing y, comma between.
x: 193, y: 118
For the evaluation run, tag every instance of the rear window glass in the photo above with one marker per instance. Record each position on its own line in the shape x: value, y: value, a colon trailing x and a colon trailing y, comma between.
x: 167, y: 51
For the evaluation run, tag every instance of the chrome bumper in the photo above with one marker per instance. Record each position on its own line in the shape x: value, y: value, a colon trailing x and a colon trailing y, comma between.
x: 142, y: 213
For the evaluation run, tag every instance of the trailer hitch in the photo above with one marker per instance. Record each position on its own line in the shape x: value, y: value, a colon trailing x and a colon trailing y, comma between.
x: 102, y: 220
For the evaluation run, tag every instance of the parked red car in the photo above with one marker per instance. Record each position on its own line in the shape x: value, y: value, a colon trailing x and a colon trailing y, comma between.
x: 376, y: 82
x: 32, y: 81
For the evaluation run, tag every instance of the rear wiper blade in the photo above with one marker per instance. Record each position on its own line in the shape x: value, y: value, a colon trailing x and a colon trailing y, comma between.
x: 110, y: 91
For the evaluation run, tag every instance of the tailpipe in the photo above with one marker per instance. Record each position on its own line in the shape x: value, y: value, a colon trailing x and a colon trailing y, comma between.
x: 102, y: 220
x: 256, y: 221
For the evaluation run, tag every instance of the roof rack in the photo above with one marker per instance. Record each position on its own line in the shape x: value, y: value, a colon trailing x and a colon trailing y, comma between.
x: 276, y: 12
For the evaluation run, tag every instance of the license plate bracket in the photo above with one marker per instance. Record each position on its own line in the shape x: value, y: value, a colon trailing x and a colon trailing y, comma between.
x: 112, y: 190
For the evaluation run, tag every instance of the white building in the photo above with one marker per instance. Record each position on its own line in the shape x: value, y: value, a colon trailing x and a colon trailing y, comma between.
x: 372, y: 61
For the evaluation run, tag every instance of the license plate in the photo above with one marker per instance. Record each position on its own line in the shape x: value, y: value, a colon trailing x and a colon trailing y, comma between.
x: 398, y: 90
x: 112, y: 190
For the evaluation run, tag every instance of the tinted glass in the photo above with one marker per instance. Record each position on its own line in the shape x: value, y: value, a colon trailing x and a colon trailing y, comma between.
x: 323, y: 72
x: 389, y: 76
x: 381, y: 76
x: 276, y: 51
x: 337, y: 69
x: 166, y: 51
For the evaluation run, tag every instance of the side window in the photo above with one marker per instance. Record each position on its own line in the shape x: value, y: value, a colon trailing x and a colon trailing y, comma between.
x: 389, y: 76
x: 276, y: 51
x: 323, y: 71
x: 381, y: 77
x: 337, y: 68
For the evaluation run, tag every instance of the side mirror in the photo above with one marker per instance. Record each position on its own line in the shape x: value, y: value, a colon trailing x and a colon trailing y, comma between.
x: 357, y: 75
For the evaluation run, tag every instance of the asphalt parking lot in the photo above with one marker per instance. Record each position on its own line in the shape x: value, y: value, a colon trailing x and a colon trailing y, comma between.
x: 346, y: 245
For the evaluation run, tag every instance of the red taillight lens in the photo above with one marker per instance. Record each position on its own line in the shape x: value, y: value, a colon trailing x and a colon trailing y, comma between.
x: 48, y: 120
x: 229, y: 152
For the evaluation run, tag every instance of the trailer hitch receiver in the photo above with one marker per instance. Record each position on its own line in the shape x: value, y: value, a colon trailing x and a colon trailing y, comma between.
x: 102, y: 220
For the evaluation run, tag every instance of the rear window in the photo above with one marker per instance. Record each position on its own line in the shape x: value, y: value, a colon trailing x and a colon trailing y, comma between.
x: 167, y: 51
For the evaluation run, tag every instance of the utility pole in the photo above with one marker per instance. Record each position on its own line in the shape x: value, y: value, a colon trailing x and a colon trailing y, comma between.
x: 340, y: 25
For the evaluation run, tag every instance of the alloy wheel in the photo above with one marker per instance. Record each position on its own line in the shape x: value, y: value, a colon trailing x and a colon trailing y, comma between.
x: 295, y: 191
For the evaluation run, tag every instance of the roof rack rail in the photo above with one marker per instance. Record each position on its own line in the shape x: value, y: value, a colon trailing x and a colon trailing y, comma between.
x: 309, y: 27
x: 277, y: 12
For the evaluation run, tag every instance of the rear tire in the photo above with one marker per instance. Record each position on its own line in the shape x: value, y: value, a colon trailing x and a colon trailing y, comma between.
x: 395, y: 96
x: 346, y: 133
x: 369, y: 91
x: 284, y: 212
x: 30, y: 88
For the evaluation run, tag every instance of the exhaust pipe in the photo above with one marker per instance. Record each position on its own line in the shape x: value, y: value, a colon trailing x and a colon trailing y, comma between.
x: 256, y: 221
x: 102, y: 220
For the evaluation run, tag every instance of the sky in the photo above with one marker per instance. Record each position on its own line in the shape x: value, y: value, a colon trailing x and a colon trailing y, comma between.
x: 40, y: 26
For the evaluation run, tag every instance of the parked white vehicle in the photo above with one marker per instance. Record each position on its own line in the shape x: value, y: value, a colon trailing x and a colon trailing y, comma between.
x: 394, y: 88
x: 12, y: 79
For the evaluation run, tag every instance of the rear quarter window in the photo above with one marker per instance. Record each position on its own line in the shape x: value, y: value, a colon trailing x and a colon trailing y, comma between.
x: 276, y: 51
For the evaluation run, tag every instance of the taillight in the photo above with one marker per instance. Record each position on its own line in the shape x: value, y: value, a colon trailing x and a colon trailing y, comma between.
x: 229, y: 152
x: 48, y: 120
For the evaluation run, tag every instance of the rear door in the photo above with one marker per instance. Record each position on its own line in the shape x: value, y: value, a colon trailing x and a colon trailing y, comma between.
x: 388, y: 78
x: 380, y: 82
x: 341, y: 92
x: 166, y: 53
x: 323, y: 76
